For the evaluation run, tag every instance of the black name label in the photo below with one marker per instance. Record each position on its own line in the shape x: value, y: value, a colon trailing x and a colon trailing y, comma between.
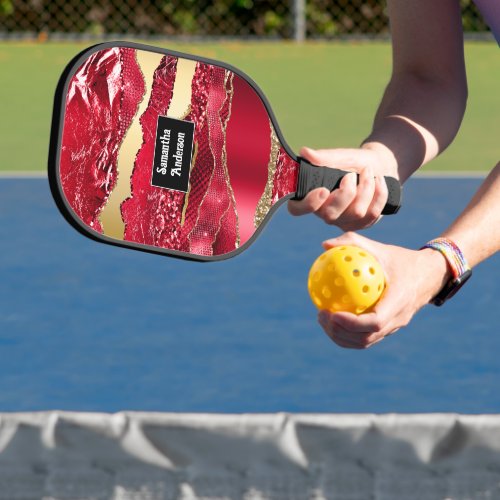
x: 173, y: 150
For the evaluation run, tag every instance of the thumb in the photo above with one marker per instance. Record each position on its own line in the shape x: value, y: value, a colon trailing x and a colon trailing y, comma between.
x: 350, y: 158
x: 349, y: 238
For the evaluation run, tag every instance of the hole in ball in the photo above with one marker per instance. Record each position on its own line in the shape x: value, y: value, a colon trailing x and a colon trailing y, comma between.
x: 348, y: 258
x: 372, y: 270
x: 366, y: 289
x: 356, y: 273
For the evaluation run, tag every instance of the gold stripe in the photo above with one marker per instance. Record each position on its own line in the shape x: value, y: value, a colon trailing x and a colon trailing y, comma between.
x: 111, y: 217
x: 180, y: 105
x: 265, y: 201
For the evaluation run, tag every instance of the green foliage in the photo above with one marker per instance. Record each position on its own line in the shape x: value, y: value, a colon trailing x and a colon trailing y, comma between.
x: 320, y: 21
x: 325, y: 18
x: 6, y: 8
x: 272, y: 22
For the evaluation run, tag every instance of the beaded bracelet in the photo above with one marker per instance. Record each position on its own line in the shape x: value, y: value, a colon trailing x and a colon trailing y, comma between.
x: 460, y: 269
x: 452, y: 254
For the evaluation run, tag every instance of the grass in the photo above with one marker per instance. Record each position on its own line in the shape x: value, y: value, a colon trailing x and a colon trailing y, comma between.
x: 323, y: 95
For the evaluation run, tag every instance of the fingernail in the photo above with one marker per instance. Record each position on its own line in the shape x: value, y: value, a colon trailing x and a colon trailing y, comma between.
x: 323, y: 194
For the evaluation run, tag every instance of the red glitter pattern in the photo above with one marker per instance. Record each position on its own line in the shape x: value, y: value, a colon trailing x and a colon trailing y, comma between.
x: 216, y: 200
x: 202, y: 167
x: 151, y: 214
x: 248, y: 153
x: 285, y: 177
x: 216, y: 216
x: 102, y: 99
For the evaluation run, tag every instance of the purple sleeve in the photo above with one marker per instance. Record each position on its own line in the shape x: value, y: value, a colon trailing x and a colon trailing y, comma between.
x: 490, y: 9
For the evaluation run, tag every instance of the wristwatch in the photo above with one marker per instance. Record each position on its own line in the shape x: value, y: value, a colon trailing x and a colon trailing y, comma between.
x: 460, y: 270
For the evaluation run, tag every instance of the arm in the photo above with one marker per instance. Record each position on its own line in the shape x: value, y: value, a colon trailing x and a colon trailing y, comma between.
x: 477, y: 230
x: 424, y: 103
x: 419, y: 114
x: 415, y: 277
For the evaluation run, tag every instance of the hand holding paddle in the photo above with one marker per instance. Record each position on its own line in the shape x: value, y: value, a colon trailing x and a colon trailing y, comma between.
x: 360, y: 200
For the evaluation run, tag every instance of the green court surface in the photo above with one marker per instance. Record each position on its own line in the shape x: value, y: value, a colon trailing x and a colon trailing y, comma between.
x: 323, y: 95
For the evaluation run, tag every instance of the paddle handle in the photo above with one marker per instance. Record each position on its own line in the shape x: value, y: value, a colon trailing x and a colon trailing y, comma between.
x: 312, y: 177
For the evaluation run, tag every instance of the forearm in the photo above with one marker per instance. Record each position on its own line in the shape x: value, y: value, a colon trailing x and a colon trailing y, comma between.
x: 424, y: 103
x: 477, y: 230
x: 416, y: 120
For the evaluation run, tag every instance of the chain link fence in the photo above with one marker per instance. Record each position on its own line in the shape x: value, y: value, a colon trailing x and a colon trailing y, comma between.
x: 191, y: 18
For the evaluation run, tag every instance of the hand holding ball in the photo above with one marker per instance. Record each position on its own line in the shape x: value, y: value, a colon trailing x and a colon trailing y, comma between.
x: 346, y: 278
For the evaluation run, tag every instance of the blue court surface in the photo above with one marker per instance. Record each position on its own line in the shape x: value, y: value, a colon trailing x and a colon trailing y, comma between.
x: 91, y: 327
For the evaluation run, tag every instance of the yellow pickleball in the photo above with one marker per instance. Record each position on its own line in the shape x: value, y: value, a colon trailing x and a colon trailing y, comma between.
x: 346, y: 278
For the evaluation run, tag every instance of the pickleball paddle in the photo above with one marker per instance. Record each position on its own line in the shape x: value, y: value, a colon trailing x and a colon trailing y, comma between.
x: 171, y: 153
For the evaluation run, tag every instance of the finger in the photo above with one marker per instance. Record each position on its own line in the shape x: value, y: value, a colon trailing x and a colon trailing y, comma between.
x: 344, y: 344
x: 385, y: 317
x: 338, y: 201
x: 365, y: 191
x: 353, y: 340
x: 339, y: 334
x: 372, y: 343
x: 341, y: 339
x: 338, y: 157
x: 348, y: 238
x: 362, y: 324
x: 378, y: 250
x: 380, y: 195
x: 311, y: 203
x: 361, y: 340
x: 347, y: 338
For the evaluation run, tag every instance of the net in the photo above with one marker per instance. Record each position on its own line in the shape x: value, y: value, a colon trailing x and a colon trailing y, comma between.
x: 159, y: 456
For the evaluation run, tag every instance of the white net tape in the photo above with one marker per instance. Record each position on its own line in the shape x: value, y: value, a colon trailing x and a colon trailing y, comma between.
x: 155, y: 456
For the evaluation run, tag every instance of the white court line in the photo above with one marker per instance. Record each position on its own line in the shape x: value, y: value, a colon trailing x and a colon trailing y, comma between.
x: 453, y: 174
x: 11, y: 174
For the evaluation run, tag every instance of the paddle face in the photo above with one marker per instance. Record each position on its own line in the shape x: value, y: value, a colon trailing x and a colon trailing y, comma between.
x: 165, y: 152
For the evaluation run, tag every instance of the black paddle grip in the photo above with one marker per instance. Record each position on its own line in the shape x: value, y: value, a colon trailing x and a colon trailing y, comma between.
x: 312, y: 177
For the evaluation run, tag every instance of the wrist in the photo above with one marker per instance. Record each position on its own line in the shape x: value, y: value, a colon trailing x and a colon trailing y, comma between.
x: 437, y: 272
x: 457, y: 266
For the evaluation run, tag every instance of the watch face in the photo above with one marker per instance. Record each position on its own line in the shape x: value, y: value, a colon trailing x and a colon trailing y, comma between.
x: 451, y: 288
